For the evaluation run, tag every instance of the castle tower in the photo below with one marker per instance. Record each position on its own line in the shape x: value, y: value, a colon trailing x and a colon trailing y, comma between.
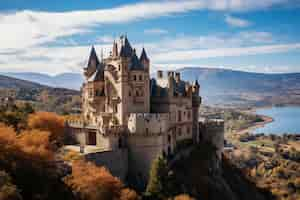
x: 145, y: 60
x: 93, y: 88
x: 196, y: 101
x: 93, y: 62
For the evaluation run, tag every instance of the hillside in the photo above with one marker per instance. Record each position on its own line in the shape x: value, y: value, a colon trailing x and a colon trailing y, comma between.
x: 42, y: 97
x: 218, y: 86
x: 13, y: 83
x: 65, y: 80
x: 222, y: 86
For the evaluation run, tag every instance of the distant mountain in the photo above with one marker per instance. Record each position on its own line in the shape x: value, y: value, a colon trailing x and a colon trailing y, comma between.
x: 13, y: 83
x: 223, y: 86
x: 65, y: 80
x: 218, y: 86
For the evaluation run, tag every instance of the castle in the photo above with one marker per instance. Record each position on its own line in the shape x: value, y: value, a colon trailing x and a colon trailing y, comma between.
x: 131, y: 118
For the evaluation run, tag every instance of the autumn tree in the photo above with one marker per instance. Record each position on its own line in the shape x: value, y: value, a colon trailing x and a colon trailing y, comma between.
x: 128, y: 194
x: 8, y: 191
x: 50, y: 122
x: 30, y: 162
x: 183, y: 197
x: 90, y: 182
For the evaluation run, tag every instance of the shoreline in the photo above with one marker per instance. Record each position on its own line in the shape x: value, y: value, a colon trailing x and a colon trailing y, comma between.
x: 266, y: 120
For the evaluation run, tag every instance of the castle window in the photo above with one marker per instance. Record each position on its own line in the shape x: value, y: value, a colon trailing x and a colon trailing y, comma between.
x: 134, y: 77
x: 141, y: 77
x: 90, y: 93
x: 179, y: 131
x: 129, y: 94
x: 179, y: 115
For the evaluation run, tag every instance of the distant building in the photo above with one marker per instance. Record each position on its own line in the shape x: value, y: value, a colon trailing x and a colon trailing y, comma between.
x: 129, y: 117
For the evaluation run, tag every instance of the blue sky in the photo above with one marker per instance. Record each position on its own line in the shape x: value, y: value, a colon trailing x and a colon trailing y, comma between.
x: 55, y: 36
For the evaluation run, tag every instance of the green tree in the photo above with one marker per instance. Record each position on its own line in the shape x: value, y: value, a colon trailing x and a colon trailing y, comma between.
x: 158, y: 178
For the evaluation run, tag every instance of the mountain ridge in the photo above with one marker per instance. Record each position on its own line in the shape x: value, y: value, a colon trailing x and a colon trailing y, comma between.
x: 218, y: 86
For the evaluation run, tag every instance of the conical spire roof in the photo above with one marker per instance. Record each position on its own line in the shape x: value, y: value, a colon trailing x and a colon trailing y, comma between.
x: 126, y: 49
x: 93, y: 59
x: 144, y: 55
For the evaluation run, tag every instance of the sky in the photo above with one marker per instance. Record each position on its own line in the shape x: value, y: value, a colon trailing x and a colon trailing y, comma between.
x: 55, y: 36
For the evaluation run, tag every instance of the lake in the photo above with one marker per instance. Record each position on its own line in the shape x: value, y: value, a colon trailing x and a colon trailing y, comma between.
x: 286, y: 120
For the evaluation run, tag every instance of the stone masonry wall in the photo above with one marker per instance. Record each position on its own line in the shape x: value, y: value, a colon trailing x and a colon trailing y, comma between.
x: 115, y: 161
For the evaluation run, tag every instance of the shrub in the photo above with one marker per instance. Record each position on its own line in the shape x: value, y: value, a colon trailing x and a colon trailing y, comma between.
x: 157, y: 179
x: 90, y: 182
x: 8, y: 191
x: 51, y: 122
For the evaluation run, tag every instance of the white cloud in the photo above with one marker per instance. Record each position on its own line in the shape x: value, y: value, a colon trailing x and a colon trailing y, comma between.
x: 23, y: 33
x: 235, y: 21
x: 156, y: 31
x: 24, y: 29
x: 196, y: 54
x: 105, y: 39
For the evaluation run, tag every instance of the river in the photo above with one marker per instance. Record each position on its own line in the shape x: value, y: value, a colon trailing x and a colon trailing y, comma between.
x: 286, y: 120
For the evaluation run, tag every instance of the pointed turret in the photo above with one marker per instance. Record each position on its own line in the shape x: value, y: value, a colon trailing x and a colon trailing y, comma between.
x: 145, y: 60
x: 115, y: 50
x: 93, y: 62
x: 144, y: 56
x: 126, y: 49
x: 196, y: 87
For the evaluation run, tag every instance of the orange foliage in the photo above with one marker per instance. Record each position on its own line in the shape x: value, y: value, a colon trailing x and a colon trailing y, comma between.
x: 90, y: 182
x: 35, y: 143
x: 128, y: 194
x: 51, y: 122
x: 183, y: 197
x: 31, y: 145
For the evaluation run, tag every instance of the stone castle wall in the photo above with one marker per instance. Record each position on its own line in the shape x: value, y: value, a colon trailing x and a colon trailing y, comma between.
x: 148, y: 123
x: 212, y: 131
x: 142, y: 151
x: 115, y: 161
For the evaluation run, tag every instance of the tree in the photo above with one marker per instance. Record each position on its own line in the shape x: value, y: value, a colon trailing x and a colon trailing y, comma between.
x: 8, y: 191
x: 30, y: 162
x: 183, y: 197
x: 50, y: 122
x: 158, y: 178
x: 128, y: 194
x: 90, y: 182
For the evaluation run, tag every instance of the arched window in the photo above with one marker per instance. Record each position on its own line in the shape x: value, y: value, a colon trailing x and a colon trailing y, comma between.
x: 120, y: 143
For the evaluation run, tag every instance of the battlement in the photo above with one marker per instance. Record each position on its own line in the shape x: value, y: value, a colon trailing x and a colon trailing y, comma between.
x: 148, y: 123
x: 212, y: 122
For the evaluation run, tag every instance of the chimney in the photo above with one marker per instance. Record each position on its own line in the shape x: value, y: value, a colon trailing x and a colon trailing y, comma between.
x: 177, y: 77
x: 160, y: 74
